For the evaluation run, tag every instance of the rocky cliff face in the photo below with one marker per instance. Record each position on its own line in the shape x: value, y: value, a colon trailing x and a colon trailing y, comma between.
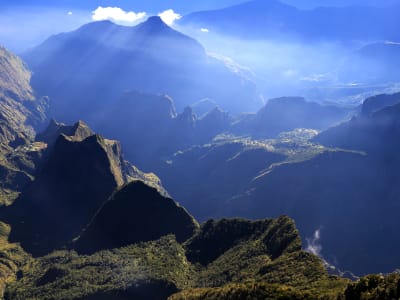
x: 20, y: 114
x: 20, y: 110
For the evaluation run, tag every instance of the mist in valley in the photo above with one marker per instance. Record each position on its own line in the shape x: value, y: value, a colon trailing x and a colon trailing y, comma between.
x: 325, y: 71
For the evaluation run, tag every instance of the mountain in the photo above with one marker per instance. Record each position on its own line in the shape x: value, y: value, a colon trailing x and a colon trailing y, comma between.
x: 159, y: 216
x: 54, y: 129
x: 77, y: 176
x: 272, y: 19
x: 86, y: 70
x: 288, y: 113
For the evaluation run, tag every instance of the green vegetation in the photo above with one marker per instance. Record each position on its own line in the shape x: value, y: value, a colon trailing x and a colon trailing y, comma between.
x: 249, y: 291
x: 257, y: 255
x: 274, y: 238
x: 374, y: 287
x: 17, y: 167
x: 66, y: 275
x: 227, y: 258
x: 12, y: 258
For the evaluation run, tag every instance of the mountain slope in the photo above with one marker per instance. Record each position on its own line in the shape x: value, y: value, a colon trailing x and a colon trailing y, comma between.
x: 151, y: 271
x: 159, y: 216
x: 13, y: 258
x: 20, y: 114
x: 206, y: 177
x: 20, y: 111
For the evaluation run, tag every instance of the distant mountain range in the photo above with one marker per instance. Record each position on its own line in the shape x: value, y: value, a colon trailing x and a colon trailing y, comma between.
x: 260, y: 19
x: 84, y: 71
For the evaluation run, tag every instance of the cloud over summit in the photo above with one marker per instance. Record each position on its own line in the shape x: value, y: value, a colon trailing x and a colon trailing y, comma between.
x: 120, y: 16
x: 169, y: 16
x: 117, y: 15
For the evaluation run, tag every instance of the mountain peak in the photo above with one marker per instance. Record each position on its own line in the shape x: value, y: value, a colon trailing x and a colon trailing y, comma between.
x: 155, y: 20
x: 153, y: 23
x: 78, y: 132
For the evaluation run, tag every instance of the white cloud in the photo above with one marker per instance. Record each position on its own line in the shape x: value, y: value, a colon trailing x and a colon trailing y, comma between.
x: 117, y: 15
x: 313, y: 244
x: 169, y: 16
x: 204, y: 30
x: 69, y: 13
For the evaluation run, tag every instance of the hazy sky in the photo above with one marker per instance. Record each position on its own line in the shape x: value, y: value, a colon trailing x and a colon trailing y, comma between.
x: 26, y: 23
x: 151, y: 6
